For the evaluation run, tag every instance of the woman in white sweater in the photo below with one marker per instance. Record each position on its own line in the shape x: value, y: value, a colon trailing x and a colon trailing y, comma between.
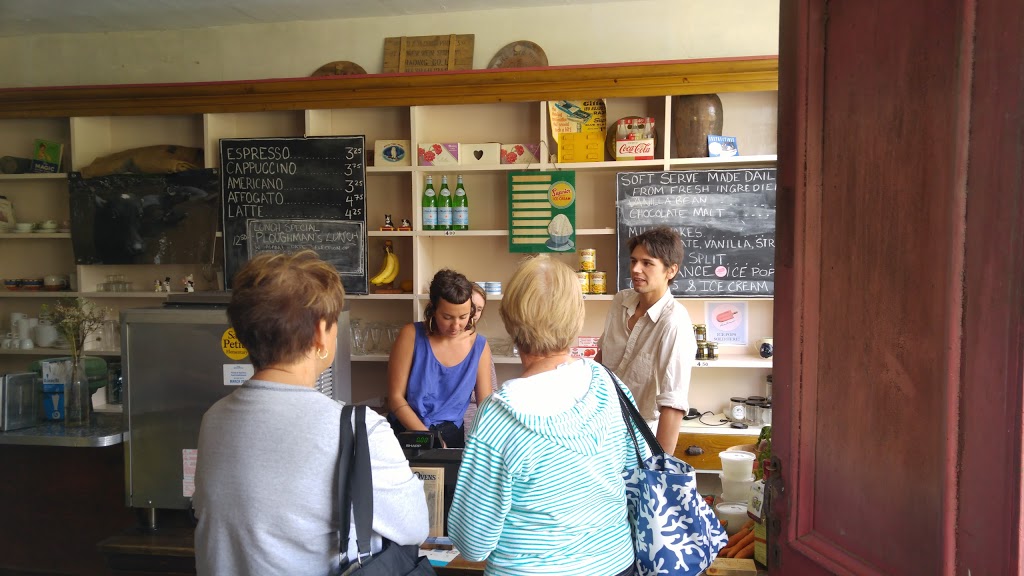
x: 266, y: 477
x: 540, y: 488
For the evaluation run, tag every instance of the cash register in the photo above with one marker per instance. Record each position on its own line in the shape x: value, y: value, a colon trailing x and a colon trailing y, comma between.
x: 423, y: 449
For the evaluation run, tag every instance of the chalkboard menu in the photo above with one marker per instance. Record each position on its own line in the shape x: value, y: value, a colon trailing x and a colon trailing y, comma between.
x: 726, y: 219
x: 287, y: 194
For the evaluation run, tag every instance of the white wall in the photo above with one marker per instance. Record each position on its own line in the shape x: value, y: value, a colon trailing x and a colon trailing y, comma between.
x: 637, y: 30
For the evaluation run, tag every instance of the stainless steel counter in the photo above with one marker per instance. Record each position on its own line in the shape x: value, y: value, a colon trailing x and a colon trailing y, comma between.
x: 103, y: 430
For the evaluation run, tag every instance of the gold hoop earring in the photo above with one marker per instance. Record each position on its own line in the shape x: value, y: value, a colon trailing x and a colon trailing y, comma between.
x: 324, y: 357
x: 430, y: 325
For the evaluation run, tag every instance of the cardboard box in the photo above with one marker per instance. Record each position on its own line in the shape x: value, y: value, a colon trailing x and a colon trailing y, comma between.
x: 475, y: 154
x: 732, y: 567
x: 588, y: 341
x: 582, y: 352
x: 520, y: 153
x: 391, y: 153
x: 581, y: 147
x: 642, y: 149
x: 438, y: 153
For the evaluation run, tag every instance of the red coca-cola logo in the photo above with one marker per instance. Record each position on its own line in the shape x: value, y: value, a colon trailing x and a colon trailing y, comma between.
x: 635, y: 148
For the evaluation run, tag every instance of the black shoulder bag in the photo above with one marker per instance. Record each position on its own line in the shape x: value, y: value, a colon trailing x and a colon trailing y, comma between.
x: 355, y: 494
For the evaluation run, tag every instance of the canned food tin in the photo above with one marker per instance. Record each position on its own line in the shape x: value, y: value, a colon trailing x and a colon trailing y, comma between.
x: 584, y: 278
x: 700, y: 332
x: 588, y: 259
x: 598, y: 283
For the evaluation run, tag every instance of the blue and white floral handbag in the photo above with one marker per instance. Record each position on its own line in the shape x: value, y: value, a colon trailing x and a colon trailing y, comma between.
x: 675, y: 532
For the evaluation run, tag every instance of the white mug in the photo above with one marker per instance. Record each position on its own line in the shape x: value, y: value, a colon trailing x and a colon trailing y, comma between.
x: 15, y: 318
x: 45, y: 335
x: 27, y: 344
x: 7, y: 342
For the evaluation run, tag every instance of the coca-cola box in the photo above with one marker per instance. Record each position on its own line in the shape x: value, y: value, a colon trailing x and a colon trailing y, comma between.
x: 634, y: 139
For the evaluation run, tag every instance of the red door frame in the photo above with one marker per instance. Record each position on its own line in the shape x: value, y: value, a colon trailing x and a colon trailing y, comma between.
x: 982, y: 525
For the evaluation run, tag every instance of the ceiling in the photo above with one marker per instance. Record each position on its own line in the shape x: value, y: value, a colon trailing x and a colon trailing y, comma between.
x: 29, y: 17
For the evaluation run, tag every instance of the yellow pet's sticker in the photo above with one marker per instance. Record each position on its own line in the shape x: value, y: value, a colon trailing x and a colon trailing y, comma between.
x: 231, y: 346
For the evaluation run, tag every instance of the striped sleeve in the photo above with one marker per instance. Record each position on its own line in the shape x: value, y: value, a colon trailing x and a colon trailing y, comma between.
x: 630, y: 448
x: 483, y: 493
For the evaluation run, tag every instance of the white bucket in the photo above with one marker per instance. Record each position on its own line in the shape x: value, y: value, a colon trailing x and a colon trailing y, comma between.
x: 737, y: 465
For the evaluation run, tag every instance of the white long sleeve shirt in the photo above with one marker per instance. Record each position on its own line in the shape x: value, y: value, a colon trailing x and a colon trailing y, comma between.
x: 654, y: 359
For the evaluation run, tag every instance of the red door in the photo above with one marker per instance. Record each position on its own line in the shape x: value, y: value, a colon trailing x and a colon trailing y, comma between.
x: 899, y: 310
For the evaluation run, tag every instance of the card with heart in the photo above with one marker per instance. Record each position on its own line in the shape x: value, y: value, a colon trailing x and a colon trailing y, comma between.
x: 486, y: 153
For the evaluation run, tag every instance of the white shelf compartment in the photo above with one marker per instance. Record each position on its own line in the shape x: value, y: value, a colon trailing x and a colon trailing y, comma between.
x: 455, y: 233
x: 718, y: 162
x: 403, y: 296
x: 734, y: 361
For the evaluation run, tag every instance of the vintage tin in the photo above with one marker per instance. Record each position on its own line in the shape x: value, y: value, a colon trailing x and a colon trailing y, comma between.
x: 584, y: 278
x: 588, y: 259
x: 598, y: 283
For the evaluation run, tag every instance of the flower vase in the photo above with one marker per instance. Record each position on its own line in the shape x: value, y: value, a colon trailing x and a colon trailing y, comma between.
x: 77, y: 399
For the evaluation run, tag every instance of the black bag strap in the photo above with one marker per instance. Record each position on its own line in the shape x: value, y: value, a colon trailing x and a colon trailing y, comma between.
x: 355, y: 483
x: 344, y: 461
x: 632, y: 418
x: 362, y: 485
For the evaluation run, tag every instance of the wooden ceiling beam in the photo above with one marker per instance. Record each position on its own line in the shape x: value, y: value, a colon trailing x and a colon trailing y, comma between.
x: 469, y: 87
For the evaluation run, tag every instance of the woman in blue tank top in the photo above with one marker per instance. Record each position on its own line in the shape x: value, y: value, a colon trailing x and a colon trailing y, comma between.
x: 435, y: 365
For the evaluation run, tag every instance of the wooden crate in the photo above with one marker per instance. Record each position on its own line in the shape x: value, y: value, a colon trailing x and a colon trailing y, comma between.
x: 428, y: 53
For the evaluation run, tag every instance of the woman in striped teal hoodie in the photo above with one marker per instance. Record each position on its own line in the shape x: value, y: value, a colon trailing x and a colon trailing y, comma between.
x: 540, y: 489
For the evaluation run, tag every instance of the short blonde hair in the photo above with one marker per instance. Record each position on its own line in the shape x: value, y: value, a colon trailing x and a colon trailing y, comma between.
x: 542, y: 307
x: 278, y: 301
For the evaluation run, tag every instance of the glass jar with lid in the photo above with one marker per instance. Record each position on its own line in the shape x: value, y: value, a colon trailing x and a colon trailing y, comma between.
x: 702, y: 351
x: 766, y: 413
x: 711, y: 350
x: 700, y: 332
x: 752, y: 417
x: 737, y: 409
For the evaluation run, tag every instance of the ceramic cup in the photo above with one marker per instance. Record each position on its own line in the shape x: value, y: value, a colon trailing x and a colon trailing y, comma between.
x: 24, y: 226
x: 27, y: 344
x: 55, y: 282
x: 48, y: 225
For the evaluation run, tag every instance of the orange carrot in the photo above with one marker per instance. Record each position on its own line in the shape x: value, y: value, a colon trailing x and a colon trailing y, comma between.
x: 737, y: 537
x: 746, y: 552
x: 748, y: 539
x: 748, y: 526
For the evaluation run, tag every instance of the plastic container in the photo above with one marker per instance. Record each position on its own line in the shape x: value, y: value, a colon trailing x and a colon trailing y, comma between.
x: 736, y: 490
x: 734, y: 513
x: 737, y: 465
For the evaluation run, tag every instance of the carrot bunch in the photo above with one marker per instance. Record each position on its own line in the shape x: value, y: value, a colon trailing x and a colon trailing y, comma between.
x: 740, y: 544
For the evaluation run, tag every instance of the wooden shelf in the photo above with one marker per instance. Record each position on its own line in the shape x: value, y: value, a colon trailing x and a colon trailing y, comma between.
x: 36, y: 235
x: 404, y: 296
x: 136, y: 294
x: 54, y: 352
x: 731, y: 162
x: 15, y: 177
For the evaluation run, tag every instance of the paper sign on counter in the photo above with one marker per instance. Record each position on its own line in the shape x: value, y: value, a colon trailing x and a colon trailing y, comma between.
x: 189, y: 457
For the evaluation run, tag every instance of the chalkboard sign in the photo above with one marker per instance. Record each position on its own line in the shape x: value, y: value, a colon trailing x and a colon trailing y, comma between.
x: 287, y: 194
x: 726, y: 219
x: 145, y: 218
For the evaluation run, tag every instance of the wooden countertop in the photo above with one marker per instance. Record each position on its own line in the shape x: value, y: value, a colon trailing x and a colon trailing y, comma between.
x: 171, y: 551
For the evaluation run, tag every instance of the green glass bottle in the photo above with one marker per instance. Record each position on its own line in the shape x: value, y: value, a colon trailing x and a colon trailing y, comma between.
x: 444, y: 206
x: 429, y: 206
x: 460, y: 207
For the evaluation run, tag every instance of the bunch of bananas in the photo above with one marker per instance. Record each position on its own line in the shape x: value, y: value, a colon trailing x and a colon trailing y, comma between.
x: 388, y: 267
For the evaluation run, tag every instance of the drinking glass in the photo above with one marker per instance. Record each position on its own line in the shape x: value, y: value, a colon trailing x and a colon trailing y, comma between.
x: 356, y: 328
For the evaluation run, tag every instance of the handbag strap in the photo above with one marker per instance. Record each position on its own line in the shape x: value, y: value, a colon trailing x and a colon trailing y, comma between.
x: 355, y: 483
x: 631, y: 416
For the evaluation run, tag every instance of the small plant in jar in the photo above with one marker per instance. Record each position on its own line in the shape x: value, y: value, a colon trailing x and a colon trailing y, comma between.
x: 76, y: 319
